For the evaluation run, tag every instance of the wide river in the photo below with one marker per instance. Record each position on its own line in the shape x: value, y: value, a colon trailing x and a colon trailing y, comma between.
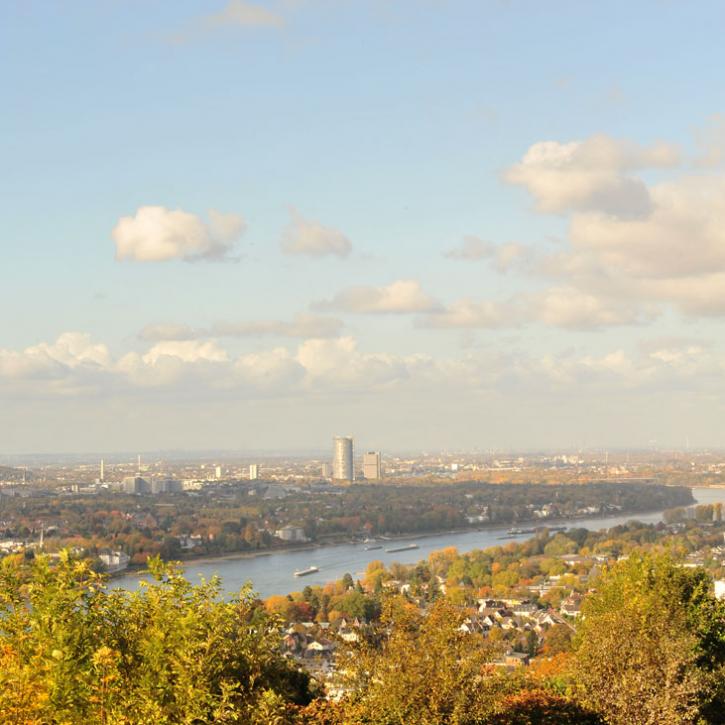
x: 273, y: 573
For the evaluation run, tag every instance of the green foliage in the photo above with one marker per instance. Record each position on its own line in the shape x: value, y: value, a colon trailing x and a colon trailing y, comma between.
x: 421, y: 670
x: 651, y: 646
x: 74, y: 652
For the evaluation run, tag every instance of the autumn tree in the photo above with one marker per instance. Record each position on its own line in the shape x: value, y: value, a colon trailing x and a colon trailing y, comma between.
x: 73, y: 651
x: 418, y: 669
x: 651, y: 646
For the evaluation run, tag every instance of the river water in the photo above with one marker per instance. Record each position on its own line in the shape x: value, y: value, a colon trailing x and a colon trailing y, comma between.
x: 273, y: 573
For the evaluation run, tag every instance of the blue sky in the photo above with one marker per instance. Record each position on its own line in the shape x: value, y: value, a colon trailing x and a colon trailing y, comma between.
x: 384, y: 173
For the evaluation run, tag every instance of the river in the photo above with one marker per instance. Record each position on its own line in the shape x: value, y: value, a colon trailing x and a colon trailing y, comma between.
x: 273, y: 573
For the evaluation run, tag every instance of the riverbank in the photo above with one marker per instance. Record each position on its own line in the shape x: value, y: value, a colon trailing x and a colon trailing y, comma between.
x: 272, y: 571
x: 492, y: 528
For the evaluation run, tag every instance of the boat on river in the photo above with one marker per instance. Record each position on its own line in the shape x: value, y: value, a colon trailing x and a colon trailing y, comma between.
x: 305, y: 572
x: 372, y: 547
x: 409, y: 547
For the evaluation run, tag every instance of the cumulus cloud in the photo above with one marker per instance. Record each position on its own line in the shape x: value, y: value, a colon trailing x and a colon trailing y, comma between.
x: 711, y: 143
x: 674, y: 257
x: 303, y: 326
x: 75, y: 365
x: 572, y: 308
x: 562, y: 307
x: 313, y: 239
x: 340, y: 363
x: 590, y: 175
x: 626, y: 262
x: 400, y: 297
x: 481, y: 314
x: 684, y: 235
x: 504, y: 256
x: 71, y: 351
x: 158, y: 234
x: 188, y: 351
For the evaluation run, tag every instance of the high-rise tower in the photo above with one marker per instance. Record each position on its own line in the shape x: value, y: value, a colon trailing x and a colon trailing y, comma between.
x: 372, y: 469
x: 342, y: 468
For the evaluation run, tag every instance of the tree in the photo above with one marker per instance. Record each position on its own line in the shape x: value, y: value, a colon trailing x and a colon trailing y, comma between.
x: 538, y: 707
x: 418, y: 669
x: 651, y: 646
x: 557, y: 639
x: 71, y: 650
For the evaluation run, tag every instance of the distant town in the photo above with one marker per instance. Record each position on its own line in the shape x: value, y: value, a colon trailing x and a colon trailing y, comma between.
x: 120, y: 510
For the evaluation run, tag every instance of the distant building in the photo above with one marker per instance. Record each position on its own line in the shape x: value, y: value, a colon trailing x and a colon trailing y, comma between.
x: 372, y: 469
x: 326, y: 470
x: 253, y: 472
x: 342, y: 468
x: 135, y: 485
x: 571, y: 606
x: 720, y: 588
x: 165, y: 485
x: 291, y: 533
x: 218, y: 472
x: 114, y: 561
x: 189, y: 541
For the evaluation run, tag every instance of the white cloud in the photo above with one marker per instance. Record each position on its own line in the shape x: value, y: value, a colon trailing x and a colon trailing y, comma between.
x: 504, y: 256
x: 400, y: 297
x: 564, y: 307
x: 575, y: 309
x: 76, y: 367
x: 590, y: 175
x: 188, y: 351
x: 628, y: 263
x: 339, y: 363
x: 158, y: 234
x: 674, y: 257
x: 313, y: 239
x: 71, y: 351
x: 483, y: 314
x: 684, y: 235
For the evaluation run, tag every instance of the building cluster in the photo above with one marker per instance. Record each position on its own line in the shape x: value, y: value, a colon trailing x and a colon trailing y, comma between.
x: 343, y: 462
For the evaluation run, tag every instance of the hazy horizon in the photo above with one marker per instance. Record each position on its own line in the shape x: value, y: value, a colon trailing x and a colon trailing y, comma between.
x: 238, y: 225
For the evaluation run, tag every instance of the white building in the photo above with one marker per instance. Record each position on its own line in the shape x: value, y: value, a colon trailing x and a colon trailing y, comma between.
x: 720, y: 588
x: 114, y: 561
x: 135, y: 485
x: 291, y: 533
x: 253, y: 472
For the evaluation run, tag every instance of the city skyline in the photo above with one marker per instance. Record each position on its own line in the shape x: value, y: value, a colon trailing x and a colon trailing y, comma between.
x: 243, y: 225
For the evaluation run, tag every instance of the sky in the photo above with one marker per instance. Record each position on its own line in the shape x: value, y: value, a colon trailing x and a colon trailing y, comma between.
x: 429, y: 224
